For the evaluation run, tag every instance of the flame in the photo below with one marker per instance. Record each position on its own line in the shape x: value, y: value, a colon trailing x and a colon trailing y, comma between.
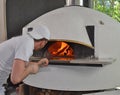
x: 60, y: 49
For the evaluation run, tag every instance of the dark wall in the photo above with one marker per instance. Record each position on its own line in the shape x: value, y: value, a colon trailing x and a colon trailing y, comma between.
x: 86, y: 3
x: 21, y: 12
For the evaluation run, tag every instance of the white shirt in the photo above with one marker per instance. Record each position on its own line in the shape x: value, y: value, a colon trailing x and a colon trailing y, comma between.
x: 20, y: 47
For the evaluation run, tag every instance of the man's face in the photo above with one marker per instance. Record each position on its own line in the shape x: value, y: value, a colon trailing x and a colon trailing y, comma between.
x: 44, y: 42
x: 40, y: 44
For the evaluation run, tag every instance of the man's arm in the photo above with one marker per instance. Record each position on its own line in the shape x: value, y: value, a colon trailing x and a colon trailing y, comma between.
x: 20, y: 71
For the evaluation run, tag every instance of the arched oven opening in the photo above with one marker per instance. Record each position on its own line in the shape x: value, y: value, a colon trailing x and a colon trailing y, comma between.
x: 63, y: 52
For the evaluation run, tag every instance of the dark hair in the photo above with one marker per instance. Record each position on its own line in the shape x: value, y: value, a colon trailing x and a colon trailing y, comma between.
x: 37, y: 40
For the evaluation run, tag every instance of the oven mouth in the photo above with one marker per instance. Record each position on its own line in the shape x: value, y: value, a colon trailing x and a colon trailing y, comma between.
x: 77, y: 54
x: 62, y: 52
x: 65, y: 49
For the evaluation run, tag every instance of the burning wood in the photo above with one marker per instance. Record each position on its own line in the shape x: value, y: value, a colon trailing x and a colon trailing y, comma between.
x: 60, y: 49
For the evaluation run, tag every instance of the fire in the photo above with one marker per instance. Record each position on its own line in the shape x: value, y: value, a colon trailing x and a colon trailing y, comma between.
x: 60, y: 49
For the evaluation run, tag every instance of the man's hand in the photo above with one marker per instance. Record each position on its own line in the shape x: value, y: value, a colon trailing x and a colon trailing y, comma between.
x: 43, y: 62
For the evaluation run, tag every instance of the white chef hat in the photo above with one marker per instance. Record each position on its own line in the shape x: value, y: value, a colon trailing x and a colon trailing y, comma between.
x: 39, y: 32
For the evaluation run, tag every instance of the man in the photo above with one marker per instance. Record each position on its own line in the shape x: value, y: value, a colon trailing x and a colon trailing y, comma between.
x: 15, y: 54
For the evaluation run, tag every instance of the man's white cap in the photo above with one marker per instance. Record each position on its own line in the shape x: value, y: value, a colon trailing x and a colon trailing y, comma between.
x: 39, y: 32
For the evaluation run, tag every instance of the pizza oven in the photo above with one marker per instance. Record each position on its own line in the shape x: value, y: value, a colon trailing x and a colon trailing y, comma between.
x: 79, y: 51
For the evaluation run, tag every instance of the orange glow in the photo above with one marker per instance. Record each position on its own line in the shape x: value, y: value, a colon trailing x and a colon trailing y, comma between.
x: 60, y: 49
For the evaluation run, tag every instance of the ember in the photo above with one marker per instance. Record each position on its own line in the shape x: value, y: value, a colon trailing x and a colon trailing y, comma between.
x: 60, y: 49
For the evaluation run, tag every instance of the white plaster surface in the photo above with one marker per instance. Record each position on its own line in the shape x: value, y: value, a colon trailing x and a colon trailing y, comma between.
x: 80, y: 78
